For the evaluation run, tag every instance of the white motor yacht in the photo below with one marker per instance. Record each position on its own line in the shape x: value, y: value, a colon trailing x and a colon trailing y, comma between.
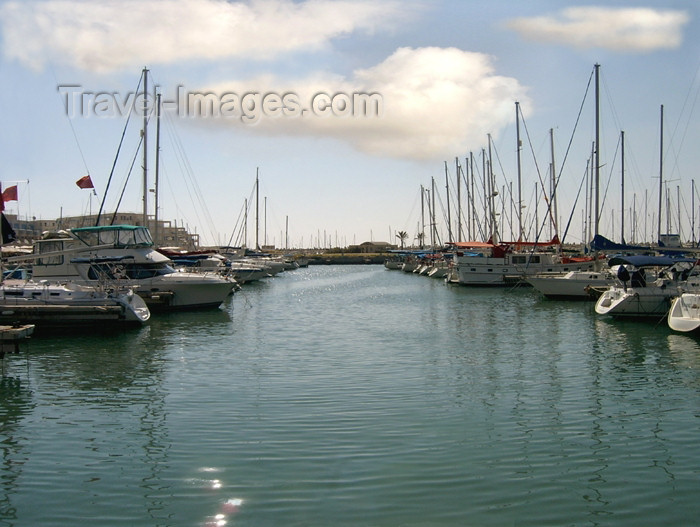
x: 69, y: 305
x: 126, y: 254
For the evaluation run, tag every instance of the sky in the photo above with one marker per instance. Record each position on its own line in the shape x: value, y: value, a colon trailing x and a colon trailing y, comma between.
x: 354, y: 115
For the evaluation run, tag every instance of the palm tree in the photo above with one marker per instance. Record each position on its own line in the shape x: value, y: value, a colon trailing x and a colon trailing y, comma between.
x: 402, y: 235
x: 421, y: 238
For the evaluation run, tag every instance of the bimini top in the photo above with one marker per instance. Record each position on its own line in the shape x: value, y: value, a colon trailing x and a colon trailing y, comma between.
x: 116, y: 235
x: 642, y: 260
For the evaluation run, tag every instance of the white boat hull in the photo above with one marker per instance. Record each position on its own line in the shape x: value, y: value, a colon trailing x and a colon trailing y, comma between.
x: 69, y: 306
x: 484, y: 270
x: 189, y: 290
x: 650, y: 301
x: 684, y: 315
x: 409, y: 267
x: 573, y: 285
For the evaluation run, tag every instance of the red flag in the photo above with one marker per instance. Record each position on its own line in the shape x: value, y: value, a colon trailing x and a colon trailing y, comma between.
x: 10, y: 193
x: 85, y: 182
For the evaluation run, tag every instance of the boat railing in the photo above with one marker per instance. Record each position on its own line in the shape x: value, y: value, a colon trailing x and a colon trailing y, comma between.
x: 106, y: 273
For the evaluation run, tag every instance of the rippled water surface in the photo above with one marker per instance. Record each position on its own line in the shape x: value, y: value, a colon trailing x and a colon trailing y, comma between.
x: 354, y: 395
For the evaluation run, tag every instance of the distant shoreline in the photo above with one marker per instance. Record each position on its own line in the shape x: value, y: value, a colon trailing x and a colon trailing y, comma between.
x: 346, y: 259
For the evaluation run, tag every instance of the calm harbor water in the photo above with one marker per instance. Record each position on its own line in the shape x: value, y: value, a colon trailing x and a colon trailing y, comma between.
x: 353, y: 395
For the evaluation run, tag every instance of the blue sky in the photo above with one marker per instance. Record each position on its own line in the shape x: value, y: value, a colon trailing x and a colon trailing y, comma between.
x: 448, y: 74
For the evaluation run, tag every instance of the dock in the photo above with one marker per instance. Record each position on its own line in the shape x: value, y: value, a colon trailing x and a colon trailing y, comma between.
x: 11, y: 336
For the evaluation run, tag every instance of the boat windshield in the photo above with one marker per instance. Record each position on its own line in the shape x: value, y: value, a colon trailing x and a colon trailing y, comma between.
x: 117, y: 236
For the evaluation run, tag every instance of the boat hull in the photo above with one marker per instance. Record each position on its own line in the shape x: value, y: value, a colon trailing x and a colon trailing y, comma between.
x: 131, y: 262
x: 61, y: 306
x: 180, y: 291
x: 635, y: 302
x: 488, y: 271
x: 684, y: 315
x: 574, y: 285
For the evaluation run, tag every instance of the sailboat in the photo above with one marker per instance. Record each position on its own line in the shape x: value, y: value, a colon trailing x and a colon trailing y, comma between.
x: 495, y: 263
x: 486, y: 263
x: 636, y: 296
x: 581, y: 284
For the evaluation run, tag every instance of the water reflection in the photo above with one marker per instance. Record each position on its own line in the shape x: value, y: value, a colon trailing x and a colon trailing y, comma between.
x: 15, y: 404
x: 382, y: 399
x: 685, y: 350
x: 109, y: 388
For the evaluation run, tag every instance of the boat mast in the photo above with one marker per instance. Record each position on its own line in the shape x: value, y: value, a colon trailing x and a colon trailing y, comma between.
x: 622, y: 191
x: 156, y: 229
x: 257, y: 207
x: 668, y: 211
x: 661, y: 174
x: 422, y: 216
x: 433, y: 227
x: 553, y: 186
x: 449, y: 218
x: 518, y: 149
x: 492, y: 196
x: 458, y: 171
x: 486, y: 224
x: 634, y: 218
x: 678, y: 200
x: 472, y: 199
x: 591, y: 192
x: 145, y: 147
x: 597, y: 150
x: 692, y: 208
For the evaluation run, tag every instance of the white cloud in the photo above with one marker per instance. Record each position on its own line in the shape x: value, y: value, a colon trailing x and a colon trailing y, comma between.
x: 622, y: 29
x: 125, y: 34
x: 437, y: 103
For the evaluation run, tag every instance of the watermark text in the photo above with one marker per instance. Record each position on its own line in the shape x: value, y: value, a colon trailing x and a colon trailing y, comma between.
x: 249, y: 107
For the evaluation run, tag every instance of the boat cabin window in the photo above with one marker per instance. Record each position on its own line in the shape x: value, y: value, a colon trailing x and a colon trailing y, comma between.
x: 524, y: 259
x: 143, y: 237
x: 50, y: 247
x: 89, y: 238
x: 109, y: 237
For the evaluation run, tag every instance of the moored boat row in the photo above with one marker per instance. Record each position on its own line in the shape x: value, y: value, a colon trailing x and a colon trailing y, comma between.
x: 109, y: 276
x: 643, y: 286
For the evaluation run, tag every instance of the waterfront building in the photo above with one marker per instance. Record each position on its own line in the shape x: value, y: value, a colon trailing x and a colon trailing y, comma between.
x: 165, y: 233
